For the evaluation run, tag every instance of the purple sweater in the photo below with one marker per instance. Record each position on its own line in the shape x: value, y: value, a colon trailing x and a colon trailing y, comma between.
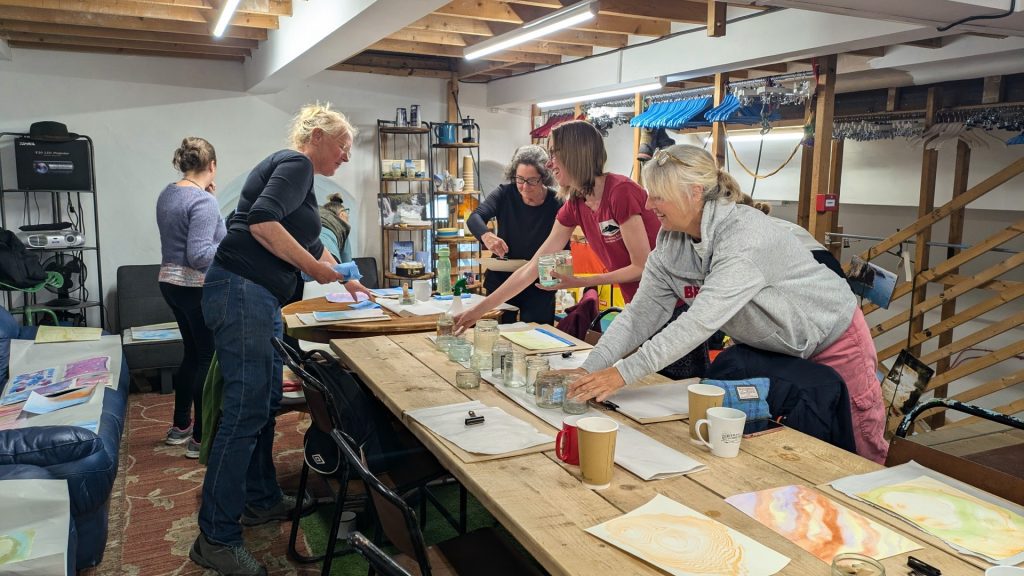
x: 190, y: 225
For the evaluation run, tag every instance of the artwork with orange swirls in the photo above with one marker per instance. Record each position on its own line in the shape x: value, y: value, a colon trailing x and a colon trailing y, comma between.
x: 819, y: 525
x: 684, y: 542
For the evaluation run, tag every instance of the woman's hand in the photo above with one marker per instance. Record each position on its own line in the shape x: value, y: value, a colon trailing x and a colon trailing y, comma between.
x: 597, y: 386
x: 466, y: 320
x: 495, y: 244
x: 324, y: 273
x: 564, y: 281
x: 354, y: 287
x: 212, y: 187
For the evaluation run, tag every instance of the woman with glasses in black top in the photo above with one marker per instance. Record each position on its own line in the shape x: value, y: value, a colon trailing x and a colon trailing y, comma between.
x: 525, y: 208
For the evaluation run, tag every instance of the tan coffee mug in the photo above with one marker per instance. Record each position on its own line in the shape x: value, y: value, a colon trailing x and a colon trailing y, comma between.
x: 701, y: 397
x: 597, y: 450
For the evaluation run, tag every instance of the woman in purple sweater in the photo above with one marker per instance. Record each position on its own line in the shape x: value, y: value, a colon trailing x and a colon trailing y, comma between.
x: 190, y: 230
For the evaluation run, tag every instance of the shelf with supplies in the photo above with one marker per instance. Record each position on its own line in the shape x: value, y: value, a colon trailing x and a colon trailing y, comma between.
x: 455, y: 162
x: 55, y: 198
x: 405, y: 194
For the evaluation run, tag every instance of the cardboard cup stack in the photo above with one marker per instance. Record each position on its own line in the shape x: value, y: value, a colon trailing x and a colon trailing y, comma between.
x: 467, y: 173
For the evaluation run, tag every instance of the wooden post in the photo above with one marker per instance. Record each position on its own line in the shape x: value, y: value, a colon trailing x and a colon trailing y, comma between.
x: 956, y: 236
x: 534, y: 112
x: 803, y: 207
x: 992, y: 93
x: 718, y: 128
x: 638, y: 108
x: 825, y: 92
x: 892, y: 101
x: 929, y: 168
x: 834, y: 184
x: 716, y: 18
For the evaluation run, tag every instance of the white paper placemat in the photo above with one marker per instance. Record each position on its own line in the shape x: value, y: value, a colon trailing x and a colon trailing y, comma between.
x: 653, y: 401
x: 500, y: 433
x: 34, y: 526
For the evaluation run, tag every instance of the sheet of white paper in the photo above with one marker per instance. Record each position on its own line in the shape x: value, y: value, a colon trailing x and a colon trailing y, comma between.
x: 500, y: 432
x: 634, y: 450
x: 684, y: 542
x: 433, y: 306
x: 84, y: 415
x: 854, y: 485
x: 34, y: 527
x: 27, y: 356
x: 654, y: 401
x: 310, y: 320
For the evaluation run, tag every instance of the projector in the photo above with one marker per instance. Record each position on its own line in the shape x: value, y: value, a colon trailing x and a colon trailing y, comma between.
x: 51, y: 239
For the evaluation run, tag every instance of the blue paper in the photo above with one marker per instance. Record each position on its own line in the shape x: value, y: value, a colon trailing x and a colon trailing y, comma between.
x: 364, y: 305
x: 449, y: 297
x: 348, y: 270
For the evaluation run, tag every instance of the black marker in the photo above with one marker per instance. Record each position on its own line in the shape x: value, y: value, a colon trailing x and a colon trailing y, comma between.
x: 923, y: 567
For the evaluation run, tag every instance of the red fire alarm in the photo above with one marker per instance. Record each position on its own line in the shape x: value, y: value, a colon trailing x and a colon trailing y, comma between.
x: 827, y: 203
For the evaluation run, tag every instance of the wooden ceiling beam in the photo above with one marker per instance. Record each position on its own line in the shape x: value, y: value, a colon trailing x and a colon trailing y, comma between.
x: 123, y: 22
x: 876, y: 52
x: 488, y: 10
x: 466, y: 69
x: 430, y: 36
x: 452, y: 24
x: 674, y: 11
x: 272, y: 7
x: 384, y: 60
x: 57, y: 30
x: 418, y: 72
x: 546, y: 46
x: 571, y: 36
x: 405, y: 47
x: 603, y: 22
x: 133, y: 51
x: 134, y: 9
x: 87, y: 43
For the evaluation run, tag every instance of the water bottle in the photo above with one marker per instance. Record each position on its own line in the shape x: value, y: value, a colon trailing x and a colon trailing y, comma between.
x: 444, y: 271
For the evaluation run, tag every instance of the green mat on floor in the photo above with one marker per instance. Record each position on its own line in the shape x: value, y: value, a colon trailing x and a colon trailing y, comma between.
x: 317, y: 528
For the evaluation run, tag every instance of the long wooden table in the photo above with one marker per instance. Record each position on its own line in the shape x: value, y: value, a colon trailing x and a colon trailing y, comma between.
x: 541, y: 501
x: 327, y: 332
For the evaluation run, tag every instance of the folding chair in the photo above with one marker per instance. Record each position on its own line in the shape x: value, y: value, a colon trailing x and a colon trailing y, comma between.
x: 379, y: 561
x: 480, y: 552
x: 327, y: 412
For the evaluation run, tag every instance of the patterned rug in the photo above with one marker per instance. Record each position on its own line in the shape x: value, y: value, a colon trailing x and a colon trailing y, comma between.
x: 155, y: 501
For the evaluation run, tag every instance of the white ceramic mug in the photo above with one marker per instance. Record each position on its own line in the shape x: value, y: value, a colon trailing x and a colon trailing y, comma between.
x: 725, y: 430
x: 421, y: 290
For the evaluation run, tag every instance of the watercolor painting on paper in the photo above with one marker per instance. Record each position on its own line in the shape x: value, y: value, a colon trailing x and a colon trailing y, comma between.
x: 684, y: 542
x: 953, y: 515
x: 16, y: 546
x: 819, y: 525
x: 87, y: 366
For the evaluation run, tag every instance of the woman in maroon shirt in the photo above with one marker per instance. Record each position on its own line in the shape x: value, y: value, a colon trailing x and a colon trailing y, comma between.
x: 608, y: 207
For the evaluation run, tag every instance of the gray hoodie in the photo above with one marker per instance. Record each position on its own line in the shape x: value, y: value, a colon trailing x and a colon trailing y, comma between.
x: 748, y: 277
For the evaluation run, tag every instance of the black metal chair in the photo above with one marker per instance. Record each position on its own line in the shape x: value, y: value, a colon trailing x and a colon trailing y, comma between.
x: 378, y: 560
x: 327, y: 412
x: 480, y: 552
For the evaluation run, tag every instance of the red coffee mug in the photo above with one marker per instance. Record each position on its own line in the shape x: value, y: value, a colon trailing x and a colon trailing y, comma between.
x: 567, y: 443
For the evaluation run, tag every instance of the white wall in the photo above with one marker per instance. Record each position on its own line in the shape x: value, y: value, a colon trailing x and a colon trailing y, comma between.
x: 136, y: 109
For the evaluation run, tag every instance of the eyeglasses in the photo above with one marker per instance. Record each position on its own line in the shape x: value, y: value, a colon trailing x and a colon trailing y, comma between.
x: 526, y: 181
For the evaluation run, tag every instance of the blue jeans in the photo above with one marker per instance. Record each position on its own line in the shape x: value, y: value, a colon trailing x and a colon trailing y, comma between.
x: 243, y: 316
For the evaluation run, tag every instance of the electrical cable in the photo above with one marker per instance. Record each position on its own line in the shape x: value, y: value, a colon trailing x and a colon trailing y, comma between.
x: 770, y: 174
x: 757, y: 168
x: 1013, y: 5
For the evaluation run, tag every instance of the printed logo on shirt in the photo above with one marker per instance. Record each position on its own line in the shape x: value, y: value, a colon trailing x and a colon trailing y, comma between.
x: 610, y: 231
x: 689, y: 293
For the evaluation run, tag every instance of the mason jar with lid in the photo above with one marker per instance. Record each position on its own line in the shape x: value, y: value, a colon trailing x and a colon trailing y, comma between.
x: 545, y: 266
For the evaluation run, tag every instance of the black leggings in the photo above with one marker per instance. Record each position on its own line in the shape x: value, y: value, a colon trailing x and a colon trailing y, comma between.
x: 187, y: 305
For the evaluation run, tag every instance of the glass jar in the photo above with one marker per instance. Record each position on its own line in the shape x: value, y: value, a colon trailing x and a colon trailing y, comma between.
x: 484, y: 336
x: 467, y: 379
x: 535, y: 365
x: 849, y: 563
x: 445, y: 327
x: 545, y: 266
x: 563, y: 262
x: 514, y: 369
x: 498, y: 352
x: 460, y: 350
x: 569, y: 405
x: 550, y: 389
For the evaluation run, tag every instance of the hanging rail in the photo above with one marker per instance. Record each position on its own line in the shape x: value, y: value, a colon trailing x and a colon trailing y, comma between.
x: 830, y: 235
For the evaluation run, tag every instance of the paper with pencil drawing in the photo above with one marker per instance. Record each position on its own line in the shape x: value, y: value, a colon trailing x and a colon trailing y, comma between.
x: 684, y: 542
x: 820, y: 525
x: 47, y: 334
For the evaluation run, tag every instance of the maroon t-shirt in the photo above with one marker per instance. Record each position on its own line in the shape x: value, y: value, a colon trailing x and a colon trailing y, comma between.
x: 621, y: 200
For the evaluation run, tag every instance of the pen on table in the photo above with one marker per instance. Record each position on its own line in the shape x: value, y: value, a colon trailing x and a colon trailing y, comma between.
x: 556, y: 337
x: 922, y: 567
x: 610, y: 405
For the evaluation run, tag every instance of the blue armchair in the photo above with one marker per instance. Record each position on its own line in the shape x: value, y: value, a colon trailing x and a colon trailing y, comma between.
x: 88, y: 461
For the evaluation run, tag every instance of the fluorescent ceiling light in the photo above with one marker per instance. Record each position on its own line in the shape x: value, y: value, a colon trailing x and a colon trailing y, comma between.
x: 600, y: 95
x: 226, y: 12
x: 557, y: 20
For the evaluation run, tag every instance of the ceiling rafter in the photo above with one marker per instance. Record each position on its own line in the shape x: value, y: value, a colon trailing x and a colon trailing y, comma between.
x: 402, y: 46
x: 59, y: 30
x: 137, y: 9
x: 453, y: 24
x: 674, y: 11
x: 176, y: 47
x: 273, y: 7
x: 603, y: 22
x: 146, y: 49
x: 122, y: 22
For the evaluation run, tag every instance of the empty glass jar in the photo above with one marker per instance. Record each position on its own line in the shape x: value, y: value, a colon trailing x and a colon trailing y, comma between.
x: 501, y: 348
x: 534, y: 366
x: 514, y: 369
x: 460, y: 350
x: 550, y: 390
x: 484, y: 336
x: 569, y: 405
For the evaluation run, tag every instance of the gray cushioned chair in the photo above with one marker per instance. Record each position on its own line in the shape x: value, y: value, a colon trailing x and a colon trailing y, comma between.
x: 140, y: 303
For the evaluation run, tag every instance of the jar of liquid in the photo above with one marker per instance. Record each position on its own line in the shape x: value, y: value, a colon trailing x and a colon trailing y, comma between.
x: 550, y: 390
x: 484, y: 336
x: 563, y: 262
x: 534, y: 366
x: 545, y: 266
x: 498, y: 352
x: 445, y: 326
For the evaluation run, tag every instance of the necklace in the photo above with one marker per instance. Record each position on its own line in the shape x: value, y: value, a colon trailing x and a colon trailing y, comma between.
x: 194, y: 183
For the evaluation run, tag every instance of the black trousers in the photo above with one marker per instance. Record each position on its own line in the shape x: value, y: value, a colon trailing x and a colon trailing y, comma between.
x: 535, y: 305
x: 187, y: 305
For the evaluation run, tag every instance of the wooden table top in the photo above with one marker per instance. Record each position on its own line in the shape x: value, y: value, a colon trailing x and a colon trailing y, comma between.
x: 541, y: 501
x: 326, y: 333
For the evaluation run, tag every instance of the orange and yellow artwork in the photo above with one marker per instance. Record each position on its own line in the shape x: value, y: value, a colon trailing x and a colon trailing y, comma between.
x: 819, y: 525
x: 684, y: 542
x: 953, y: 515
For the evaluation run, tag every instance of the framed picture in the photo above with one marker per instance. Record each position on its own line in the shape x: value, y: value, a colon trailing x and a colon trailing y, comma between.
x: 872, y: 282
x: 904, y: 384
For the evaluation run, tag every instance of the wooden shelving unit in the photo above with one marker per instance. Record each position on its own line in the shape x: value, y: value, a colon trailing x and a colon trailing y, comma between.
x: 396, y: 147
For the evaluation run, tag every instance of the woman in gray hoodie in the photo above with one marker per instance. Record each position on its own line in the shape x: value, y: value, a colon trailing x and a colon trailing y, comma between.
x: 739, y: 273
